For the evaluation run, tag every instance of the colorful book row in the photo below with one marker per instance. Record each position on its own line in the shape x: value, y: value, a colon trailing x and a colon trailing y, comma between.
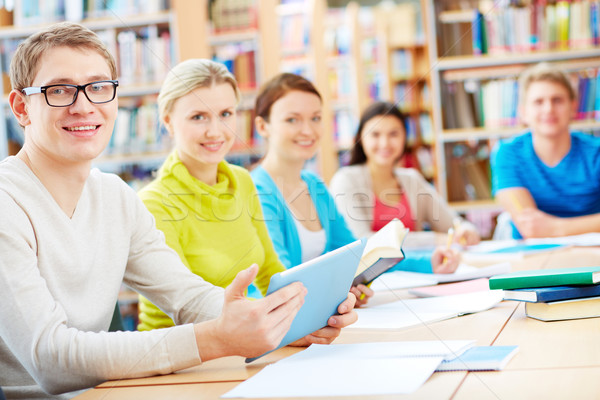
x: 561, y: 25
x: 144, y: 55
x: 36, y: 12
x: 493, y: 103
x: 138, y: 130
x: 240, y: 59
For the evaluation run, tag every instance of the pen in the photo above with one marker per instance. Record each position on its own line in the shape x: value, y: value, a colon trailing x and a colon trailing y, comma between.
x: 449, y: 242
x: 456, y: 223
x: 515, y: 201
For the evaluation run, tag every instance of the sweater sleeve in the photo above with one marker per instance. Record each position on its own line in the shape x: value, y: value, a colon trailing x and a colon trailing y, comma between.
x: 504, y: 163
x: 350, y: 200
x: 183, y: 295
x: 339, y: 233
x: 273, y: 215
x: 414, y: 262
x: 429, y: 207
x: 61, y: 357
x: 271, y: 265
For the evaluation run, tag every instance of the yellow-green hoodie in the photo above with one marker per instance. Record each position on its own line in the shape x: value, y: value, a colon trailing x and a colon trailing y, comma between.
x: 216, y: 230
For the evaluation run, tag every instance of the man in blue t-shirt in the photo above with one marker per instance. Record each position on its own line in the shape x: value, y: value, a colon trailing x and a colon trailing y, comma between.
x: 548, y: 179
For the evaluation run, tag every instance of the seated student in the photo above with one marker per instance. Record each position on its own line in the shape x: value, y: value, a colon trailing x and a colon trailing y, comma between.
x: 70, y: 235
x: 548, y: 178
x: 300, y: 213
x: 199, y: 201
x: 373, y: 190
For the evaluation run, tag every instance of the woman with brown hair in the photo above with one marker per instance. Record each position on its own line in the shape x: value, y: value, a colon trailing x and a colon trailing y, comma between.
x: 373, y: 190
x: 299, y: 211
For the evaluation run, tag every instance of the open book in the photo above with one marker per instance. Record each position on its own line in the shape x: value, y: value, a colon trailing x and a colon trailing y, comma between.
x: 383, y: 251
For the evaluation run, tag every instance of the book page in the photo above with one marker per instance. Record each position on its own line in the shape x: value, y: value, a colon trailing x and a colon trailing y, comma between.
x: 387, y: 242
x: 405, y: 313
x: 405, y: 279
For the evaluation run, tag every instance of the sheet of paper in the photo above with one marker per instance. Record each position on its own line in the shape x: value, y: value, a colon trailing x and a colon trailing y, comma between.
x: 421, y: 240
x: 465, y: 272
x: 404, y: 279
x: 586, y: 239
x: 448, y: 349
x: 405, y: 313
x: 319, y: 373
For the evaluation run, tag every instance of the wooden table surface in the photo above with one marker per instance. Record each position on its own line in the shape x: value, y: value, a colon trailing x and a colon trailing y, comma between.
x: 556, y: 360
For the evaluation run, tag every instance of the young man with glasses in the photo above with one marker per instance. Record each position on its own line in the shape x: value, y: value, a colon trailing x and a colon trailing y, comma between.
x: 69, y: 235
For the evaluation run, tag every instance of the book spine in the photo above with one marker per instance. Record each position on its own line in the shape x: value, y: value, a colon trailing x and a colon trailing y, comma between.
x: 477, y: 34
x: 541, y: 281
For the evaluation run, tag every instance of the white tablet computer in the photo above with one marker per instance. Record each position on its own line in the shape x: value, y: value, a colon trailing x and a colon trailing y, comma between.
x: 328, y: 279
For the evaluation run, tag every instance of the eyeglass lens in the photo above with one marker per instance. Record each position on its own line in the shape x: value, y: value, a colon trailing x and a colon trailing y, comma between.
x: 96, y: 92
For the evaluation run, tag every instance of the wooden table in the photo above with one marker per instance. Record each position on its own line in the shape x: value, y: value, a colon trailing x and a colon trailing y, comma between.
x: 556, y: 360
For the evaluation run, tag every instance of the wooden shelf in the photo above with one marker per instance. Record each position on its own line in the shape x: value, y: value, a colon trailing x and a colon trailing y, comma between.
x: 460, y: 135
x: 218, y: 39
x: 462, y: 62
x: 132, y: 158
x: 456, y: 16
x: 480, y: 205
x: 503, y: 71
x: 138, y: 90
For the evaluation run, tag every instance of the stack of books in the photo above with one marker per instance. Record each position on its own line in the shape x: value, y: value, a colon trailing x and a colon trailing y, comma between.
x: 553, y: 294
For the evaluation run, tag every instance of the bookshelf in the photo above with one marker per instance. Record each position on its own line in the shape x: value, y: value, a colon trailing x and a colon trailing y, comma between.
x: 145, y: 47
x: 301, y: 27
x: 241, y: 37
x: 477, y: 51
x: 342, y: 47
x: 404, y: 64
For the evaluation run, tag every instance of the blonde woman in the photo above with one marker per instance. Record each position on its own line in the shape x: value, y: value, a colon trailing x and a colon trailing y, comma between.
x: 207, y: 208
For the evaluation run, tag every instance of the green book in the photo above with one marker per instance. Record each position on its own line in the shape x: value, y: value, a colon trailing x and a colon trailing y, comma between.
x: 546, y: 277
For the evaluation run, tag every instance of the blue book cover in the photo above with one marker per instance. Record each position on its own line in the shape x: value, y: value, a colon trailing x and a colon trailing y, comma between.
x: 477, y: 36
x: 594, y: 22
x: 481, y: 358
x: 554, y: 293
x: 597, y: 100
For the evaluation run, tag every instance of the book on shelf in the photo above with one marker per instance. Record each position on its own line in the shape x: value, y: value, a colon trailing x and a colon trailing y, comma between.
x: 480, y: 358
x: 468, y: 176
x: 546, y: 277
x: 383, y: 251
x: 588, y: 307
x: 233, y: 15
x: 552, y: 293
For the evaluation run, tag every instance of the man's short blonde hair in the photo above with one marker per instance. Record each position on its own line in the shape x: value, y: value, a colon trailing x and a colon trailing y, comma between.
x: 544, y: 72
x: 190, y: 75
x: 25, y: 63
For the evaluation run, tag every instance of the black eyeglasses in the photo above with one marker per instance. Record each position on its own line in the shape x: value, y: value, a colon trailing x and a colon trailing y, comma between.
x: 64, y: 95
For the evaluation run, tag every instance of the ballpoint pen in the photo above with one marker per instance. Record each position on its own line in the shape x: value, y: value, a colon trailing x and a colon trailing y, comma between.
x: 449, y: 242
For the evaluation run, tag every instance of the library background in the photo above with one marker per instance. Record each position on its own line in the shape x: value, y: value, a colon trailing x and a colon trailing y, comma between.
x: 450, y: 65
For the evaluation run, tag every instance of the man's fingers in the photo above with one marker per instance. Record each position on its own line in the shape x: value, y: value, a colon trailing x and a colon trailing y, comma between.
x: 343, y: 320
x: 240, y: 283
x: 323, y: 336
x: 283, y: 295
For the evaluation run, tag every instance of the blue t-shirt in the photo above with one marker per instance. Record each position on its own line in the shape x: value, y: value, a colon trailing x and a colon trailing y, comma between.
x: 569, y: 189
